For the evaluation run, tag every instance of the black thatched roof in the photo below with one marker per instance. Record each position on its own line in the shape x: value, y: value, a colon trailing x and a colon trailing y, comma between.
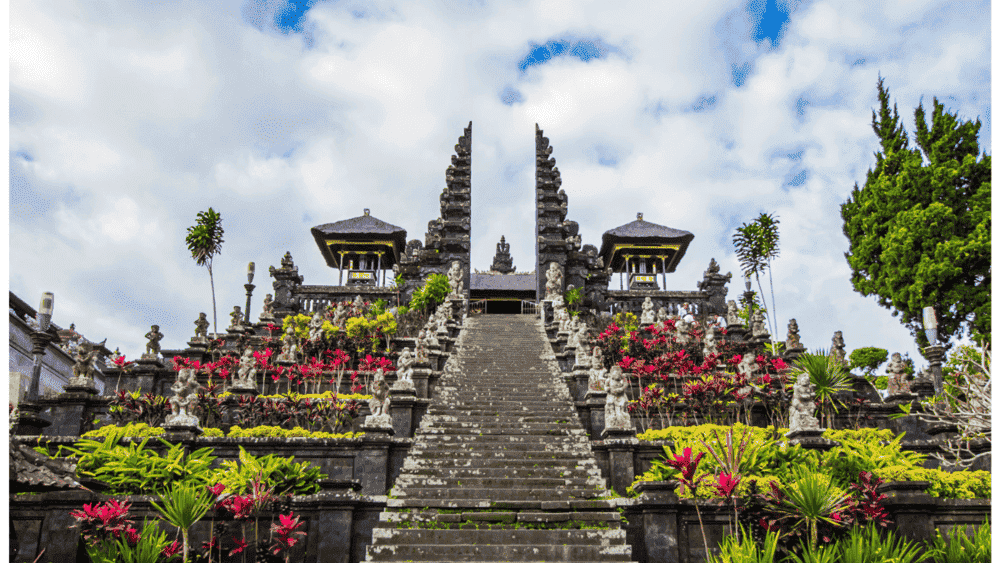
x: 642, y: 233
x: 31, y: 471
x: 502, y: 282
x: 360, y: 229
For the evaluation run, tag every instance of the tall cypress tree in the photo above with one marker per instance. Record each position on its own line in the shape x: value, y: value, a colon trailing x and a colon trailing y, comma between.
x: 919, y: 229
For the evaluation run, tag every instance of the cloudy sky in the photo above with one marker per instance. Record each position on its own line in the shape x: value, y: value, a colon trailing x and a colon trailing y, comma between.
x: 127, y: 118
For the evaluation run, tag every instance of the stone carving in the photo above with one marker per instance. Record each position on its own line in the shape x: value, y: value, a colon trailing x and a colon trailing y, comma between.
x: 379, y: 403
x: 184, y: 401
x: 235, y: 318
x: 358, y: 304
x: 732, y: 314
x: 154, y: 336
x: 561, y: 315
x: 748, y: 366
x: 757, y: 327
x: 340, y: 316
x: 502, y: 262
x: 553, y: 281
x: 616, y: 414
x: 682, y: 330
x: 455, y: 279
x: 801, y: 417
x: 896, y: 372
x: 837, y: 350
x: 662, y: 315
x: 441, y: 320
x: 792, y: 342
x: 201, y: 328
x: 246, y: 375
x: 598, y: 373
x: 582, y: 346
x: 430, y: 341
x: 267, y: 312
x: 289, y: 346
x: 709, y: 345
x: 316, y: 327
x: 83, y: 365
x: 648, y: 315
x: 404, y: 371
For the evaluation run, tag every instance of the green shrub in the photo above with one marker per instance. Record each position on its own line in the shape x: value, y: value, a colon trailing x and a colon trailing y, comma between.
x: 866, y: 449
x: 212, y: 433
x: 131, y: 430
x: 281, y: 473
x: 279, y: 432
x: 959, y: 485
x: 433, y: 292
x: 958, y: 547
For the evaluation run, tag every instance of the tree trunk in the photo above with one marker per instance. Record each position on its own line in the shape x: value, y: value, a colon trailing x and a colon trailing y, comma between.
x: 215, y: 319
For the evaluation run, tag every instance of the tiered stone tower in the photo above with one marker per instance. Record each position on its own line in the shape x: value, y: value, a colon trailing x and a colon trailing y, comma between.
x: 501, y: 468
x: 449, y: 236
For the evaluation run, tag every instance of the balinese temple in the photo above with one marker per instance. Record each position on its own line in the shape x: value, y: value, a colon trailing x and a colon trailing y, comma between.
x: 370, y: 254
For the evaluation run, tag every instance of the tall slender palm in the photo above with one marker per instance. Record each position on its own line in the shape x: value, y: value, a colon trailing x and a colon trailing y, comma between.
x: 204, y: 240
x: 756, y: 244
x: 768, y: 232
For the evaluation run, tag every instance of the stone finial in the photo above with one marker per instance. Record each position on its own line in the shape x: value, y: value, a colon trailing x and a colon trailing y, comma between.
x: 236, y: 318
x: 184, y: 401
x: 201, y: 328
x: 502, y: 262
x: 154, y: 336
x: 616, y: 416
x: 896, y: 372
x: 648, y: 314
x: 792, y: 342
x: 286, y: 261
x: 838, y: 351
x: 267, y: 308
x: 379, y: 403
x: 732, y: 314
x: 638, y: 216
x: 801, y: 416
x: 404, y: 371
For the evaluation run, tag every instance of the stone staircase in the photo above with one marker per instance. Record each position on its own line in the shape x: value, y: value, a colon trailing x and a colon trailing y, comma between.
x: 500, y: 468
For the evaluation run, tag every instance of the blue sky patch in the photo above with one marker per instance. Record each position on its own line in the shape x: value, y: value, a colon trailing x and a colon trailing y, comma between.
x: 768, y: 20
x: 740, y: 74
x: 704, y: 103
x: 511, y: 96
x: 583, y: 49
x: 798, y: 179
x: 290, y: 18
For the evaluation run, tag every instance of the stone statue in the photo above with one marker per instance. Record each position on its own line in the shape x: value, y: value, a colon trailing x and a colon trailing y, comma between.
x: 748, y: 366
x: 757, y: 326
x: 316, y: 327
x: 441, y: 320
x: 682, y: 330
x: 573, y: 327
x: 154, y: 336
x: 837, y: 350
x: 201, y: 328
x: 358, y: 304
x: 648, y: 315
x: 792, y: 342
x: 184, y: 401
x: 803, y: 405
x: 83, y: 365
x: 616, y: 414
x: 732, y: 314
x: 246, y: 375
x: 236, y: 318
x: 562, y: 317
x: 289, y: 346
x: 598, y: 373
x: 421, y: 348
x: 430, y: 340
x: 340, y: 316
x: 553, y: 281
x: 896, y: 372
x: 582, y: 346
x: 267, y: 313
x: 379, y: 403
x: 455, y: 279
x: 404, y: 371
x: 662, y: 315
x: 709, y: 345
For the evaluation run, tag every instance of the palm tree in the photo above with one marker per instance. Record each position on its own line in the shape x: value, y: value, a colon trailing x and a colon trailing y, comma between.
x: 204, y: 240
x: 827, y: 376
x: 756, y: 245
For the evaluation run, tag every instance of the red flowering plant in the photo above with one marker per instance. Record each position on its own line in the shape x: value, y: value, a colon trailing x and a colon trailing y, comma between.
x: 367, y: 366
x: 337, y: 362
x: 131, y: 406
x: 285, y: 534
x: 119, y: 363
x: 110, y: 535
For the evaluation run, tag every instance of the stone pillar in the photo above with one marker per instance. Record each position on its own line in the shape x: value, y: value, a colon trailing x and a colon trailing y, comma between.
x: 621, y: 446
x: 372, y: 464
x: 401, y: 410
x: 421, y: 380
x: 70, y: 412
x: 911, y: 508
x: 935, y: 356
x: 595, y: 404
x: 657, y: 505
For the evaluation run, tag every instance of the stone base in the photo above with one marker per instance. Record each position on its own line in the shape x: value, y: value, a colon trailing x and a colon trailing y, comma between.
x: 176, y: 433
x: 403, y: 388
x: 378, y: 425
x: 247, y: 391
x: 28, y: 421
x: 618, y: 433
x: 150, y: 359
x: 198, y: 343
x: 810, y: 439
x: 81, y: 385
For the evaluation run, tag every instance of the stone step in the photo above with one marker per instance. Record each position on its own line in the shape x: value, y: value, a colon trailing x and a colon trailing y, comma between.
x: 539, y: 455
x: 428, y: 481
x: 511, y: 431
x: 504, y: 472
x: 473, y: 552
x: 454, y: 462
x: 505, y: 493
x: 497, y: 439
x: 483, y: 504
x: 431, y: 418
x: 418, y: 536
x: 502, y: 520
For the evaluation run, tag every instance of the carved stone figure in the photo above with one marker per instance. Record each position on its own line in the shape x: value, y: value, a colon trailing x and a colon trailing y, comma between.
x: 441, y: 320
x: 616, y: 414
x: 404, y: 371
x: 553, y: 281
x: 455, y: 279
x: 709, y: 345
x: 561, y: 317
x: 358, y: 304
x: 648, y: 315
x: 732, y: 314
x: 573, y: 327
x: 316, y: 327
x: 757, y: 326
x: 236, y: 318
x: 896, y: 372
x: 792, y: 341
x: 583, y: 346
x: 748, y: 366
x: 598, y: 373
x: 83, y: 365
x: 682, y: 330
x: 267, y: 312
x: 379, y: 403
x: 803, y: 405
x: 340, y: 316
x: 185, y: 399
x: 201, y: 328
x: 430, y: 340
x: 662, y: 315
x: 154, y: 336
x: 289, y: 346
x: 421, y: 347
x: 837, y: 350
x: 246, y: 375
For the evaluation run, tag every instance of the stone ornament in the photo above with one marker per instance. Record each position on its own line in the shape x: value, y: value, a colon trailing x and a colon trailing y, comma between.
x: 709, y: 345
x: 553, y: 281
x: 404, y: 371
x: 246, y: 374
x: 732, y: 314
x: 616, y: 416
x: 757, y: 328
x: 421, y: 348
x: 201, y: 328
x: 455, y: 279
x: 184, y: 401
x: 896, y: 372
x: 748, y: 366
x: 379, y: 403
x: 598, y: 373
x: 316, y: 327
x: 792, y: 341
x: 561, y: 315
x: 430, y: 341
x: 340, y: 316
x: 662, y: 315
x: 267, y: 312
x: 837, y: 349
x: 441, y: 320
x: 235, y: 318
x: 583, y: 346
x: 648, y: 315
x: 800, y: 416
x: 154, y: 336
x: 83, y: 365
x: 358, y: 304
x: 289, y: 346
x: 682, y: 330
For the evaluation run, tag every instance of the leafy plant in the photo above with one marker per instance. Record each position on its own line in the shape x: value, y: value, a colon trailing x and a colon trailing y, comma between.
x: 433, y: 292
x: 183, y: 506
x: 204, y: 240
x: 283, y: 474
x: 870, y: 545
x: 812, y: 499
x: 866, y: 450
x: 828, y: 378
x: 958, y: 547
x: 742, y: 549
x: 868, y: 359
x: 756, y: 245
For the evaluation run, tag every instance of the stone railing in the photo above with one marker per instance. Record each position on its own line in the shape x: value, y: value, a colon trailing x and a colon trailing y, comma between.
x: 312, y: 298
x: 631, y: 301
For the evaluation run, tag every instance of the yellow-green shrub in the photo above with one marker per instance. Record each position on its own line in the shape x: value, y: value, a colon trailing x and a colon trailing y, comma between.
x: 960, y: 484
x: 278, y: 432
x: 131, y: 430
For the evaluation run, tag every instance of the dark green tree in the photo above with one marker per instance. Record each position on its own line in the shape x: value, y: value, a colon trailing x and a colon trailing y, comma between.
x: 919, y: 229
x: 204, y: 240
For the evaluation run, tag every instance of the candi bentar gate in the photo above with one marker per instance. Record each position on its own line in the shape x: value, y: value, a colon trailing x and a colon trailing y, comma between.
x: 369, y: 253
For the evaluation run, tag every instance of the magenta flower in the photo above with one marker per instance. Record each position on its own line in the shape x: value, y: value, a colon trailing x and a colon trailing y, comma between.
x: 726, y: 484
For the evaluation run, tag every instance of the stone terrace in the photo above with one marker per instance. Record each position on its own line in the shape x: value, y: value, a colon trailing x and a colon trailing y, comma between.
x: 501, y: 468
